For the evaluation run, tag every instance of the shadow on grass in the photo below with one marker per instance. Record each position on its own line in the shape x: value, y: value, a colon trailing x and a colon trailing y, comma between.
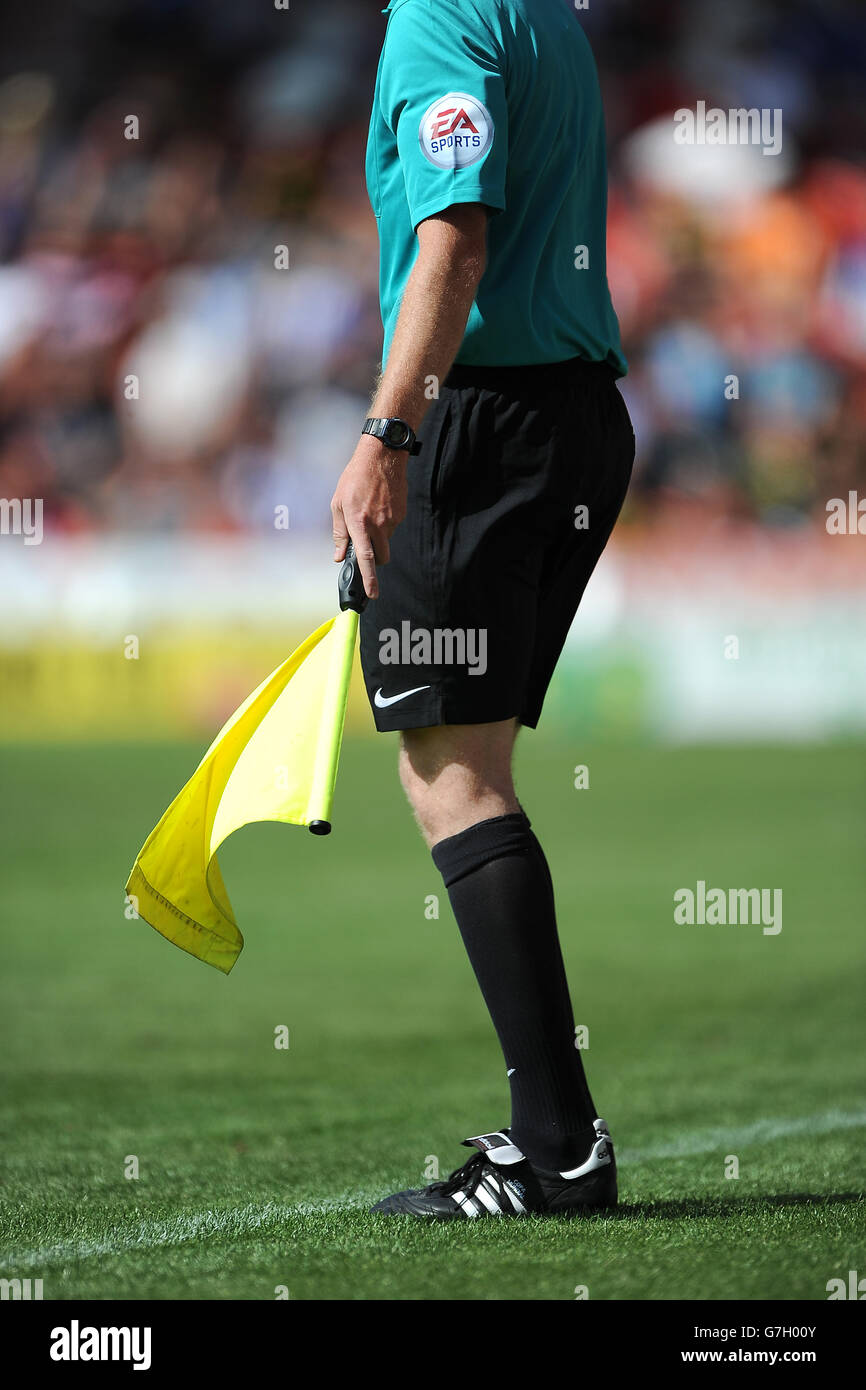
x: 713, y: 1207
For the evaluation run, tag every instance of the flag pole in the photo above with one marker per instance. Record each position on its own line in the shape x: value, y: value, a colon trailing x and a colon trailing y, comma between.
x: 353, y: 600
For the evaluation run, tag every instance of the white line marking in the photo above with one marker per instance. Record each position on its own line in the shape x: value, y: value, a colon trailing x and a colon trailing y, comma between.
x: 704, y: 1141
x: 185, y: 1228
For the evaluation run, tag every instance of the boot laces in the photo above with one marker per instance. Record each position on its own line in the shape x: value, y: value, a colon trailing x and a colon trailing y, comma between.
x: 464, y: 1179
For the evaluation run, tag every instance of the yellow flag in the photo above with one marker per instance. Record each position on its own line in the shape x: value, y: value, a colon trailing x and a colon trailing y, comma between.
x: 275, y: 760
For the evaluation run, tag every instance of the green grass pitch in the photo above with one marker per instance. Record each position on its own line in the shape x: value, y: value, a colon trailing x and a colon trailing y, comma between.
x: 256, y: 1164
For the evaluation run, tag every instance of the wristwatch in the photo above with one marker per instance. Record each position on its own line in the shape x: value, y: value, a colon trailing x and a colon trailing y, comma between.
x: 394, y: 434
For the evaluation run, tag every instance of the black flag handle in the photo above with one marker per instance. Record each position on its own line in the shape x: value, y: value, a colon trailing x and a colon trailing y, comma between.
x: 350, y: 584
x: 353, y: 595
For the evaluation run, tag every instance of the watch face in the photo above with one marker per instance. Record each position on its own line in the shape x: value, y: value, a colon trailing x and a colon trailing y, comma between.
x: 397, y: 434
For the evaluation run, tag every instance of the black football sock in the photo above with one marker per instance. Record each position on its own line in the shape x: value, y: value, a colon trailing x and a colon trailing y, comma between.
x: 501, y: 892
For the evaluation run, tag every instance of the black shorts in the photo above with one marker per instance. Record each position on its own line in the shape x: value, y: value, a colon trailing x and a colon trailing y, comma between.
x: 521, y: 476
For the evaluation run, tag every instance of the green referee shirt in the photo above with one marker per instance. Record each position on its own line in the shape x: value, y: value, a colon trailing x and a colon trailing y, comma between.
x: 497, y: 102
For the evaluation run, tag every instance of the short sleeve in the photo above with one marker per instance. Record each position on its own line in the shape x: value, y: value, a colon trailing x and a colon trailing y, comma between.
x: 442, y: 93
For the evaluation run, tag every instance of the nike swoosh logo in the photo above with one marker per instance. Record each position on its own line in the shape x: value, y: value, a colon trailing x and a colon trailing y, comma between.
x: 382, y: 701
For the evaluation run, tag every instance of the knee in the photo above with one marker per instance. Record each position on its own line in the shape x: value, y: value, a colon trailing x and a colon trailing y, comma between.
x: 453, y: 780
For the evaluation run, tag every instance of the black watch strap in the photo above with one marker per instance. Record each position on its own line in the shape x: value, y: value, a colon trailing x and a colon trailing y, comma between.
x: 394, y: 433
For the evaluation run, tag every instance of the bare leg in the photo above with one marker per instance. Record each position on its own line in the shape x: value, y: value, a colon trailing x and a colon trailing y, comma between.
x: 457, y: 775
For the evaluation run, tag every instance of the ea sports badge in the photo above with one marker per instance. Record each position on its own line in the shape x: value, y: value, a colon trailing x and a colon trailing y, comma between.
x: 455, y: 131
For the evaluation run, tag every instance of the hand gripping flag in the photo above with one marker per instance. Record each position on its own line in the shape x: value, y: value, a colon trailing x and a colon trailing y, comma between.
x: 275, y: 760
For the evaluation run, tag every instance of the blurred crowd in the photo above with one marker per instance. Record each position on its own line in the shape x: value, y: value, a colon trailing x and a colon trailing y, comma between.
x: 189, y: 325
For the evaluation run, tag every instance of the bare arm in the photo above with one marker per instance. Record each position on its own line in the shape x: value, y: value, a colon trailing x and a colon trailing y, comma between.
x: 370, y: 499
